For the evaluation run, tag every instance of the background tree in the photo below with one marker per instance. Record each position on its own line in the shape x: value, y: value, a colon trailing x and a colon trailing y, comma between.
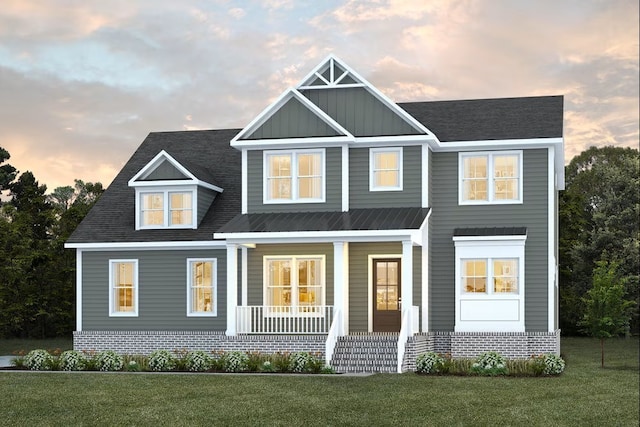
x: 7, y: 172
x: 599, y: 213
x: 607, y: 313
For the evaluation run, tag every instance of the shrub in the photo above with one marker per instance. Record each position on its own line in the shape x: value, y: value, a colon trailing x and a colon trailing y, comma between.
x: 235, y: 361
x: 72, y: 360
x: 197, y: 361
x: 553, y: 364
x: 162, y: 360
x: 430, y: 363
x: 280, y: 361
x: 108, y: 360
x: 267, y: 366
x: 38, y: 360
x: 301, y: 362
x: 254, y: 364
x: 490, y: 363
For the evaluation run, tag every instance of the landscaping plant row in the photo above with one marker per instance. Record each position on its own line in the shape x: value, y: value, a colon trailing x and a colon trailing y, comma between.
x: 179, y: 360
x: 490, y: 363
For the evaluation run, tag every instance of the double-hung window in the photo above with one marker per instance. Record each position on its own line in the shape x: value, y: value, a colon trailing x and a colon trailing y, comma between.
x: 294, y: 176
x: 385, y: 169
x: 201, y: 287
x: 123, y: 287
x: 294, y: 285
x: 500, y: 274
x: 494, y: 177
x: 166, y: 208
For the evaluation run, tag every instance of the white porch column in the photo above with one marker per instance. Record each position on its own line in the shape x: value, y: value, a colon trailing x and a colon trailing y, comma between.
x: 407, y: 276
x: 341, y: 283
x: 232, y: 287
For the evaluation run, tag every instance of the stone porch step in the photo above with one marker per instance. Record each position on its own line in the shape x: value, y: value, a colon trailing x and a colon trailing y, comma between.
x: 366, y: 353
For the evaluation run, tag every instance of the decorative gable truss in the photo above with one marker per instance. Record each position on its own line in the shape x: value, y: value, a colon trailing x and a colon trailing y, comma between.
x: 171, y: 195
x: 332, y: 106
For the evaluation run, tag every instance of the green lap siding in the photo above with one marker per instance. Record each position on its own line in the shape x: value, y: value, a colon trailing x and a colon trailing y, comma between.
x: 162, y: 294
x: 359, y: 286
x: 359, y: 173
x: 447, y: 216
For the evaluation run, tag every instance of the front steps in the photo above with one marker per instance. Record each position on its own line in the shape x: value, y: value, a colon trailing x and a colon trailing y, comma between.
x: 366, y: 353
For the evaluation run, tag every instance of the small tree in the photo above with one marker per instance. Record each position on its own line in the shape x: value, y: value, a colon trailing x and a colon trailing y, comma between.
x: 607, y: 313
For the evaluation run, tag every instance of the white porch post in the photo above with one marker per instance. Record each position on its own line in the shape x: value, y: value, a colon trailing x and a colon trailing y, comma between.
x: 232, y: 287
x: 407, y: 278
x: 341, y: 283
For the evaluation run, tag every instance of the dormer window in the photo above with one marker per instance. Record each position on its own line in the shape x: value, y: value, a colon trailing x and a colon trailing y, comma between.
x: 166, y: 209
x: 168, y: 195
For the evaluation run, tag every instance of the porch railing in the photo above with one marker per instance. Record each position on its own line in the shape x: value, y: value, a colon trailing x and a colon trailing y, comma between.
x: 259, y: 319
x: 332, y: 337
x: 408, y: 326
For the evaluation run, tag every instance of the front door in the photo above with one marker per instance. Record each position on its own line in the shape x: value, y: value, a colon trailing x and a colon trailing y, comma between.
x: 386, y: 292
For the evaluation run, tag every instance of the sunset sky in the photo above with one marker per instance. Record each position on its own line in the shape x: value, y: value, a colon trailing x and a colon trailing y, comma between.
x: 83, y: 82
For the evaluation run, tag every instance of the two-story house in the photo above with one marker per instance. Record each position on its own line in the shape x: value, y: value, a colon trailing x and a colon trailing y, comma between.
x: 336, y: 222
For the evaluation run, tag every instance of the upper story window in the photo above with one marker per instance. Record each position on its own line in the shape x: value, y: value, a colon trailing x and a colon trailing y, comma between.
x: 294, y: 176
x: 168, y: 208
x: 490, y: 178
x: 385, y: 169
x: 123, y: 287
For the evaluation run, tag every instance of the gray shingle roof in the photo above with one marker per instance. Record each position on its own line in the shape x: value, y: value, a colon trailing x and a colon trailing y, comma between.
x: 489, y: 119
x: 112, y: 219
x: 208, y: 155
x: 354, y: 219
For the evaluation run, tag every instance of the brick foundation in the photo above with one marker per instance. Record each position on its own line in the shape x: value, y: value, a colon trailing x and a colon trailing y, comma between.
x: 144, y: 342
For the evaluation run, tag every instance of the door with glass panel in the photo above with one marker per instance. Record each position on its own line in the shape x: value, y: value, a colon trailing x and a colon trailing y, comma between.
x: 386, y: 295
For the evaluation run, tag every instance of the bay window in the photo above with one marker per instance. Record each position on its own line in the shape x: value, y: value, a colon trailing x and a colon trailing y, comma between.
x: 294, y: 176
x: 494, y: 177
x: 294, y: 284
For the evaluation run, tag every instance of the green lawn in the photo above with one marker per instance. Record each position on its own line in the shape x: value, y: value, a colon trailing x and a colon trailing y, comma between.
x: 585, y: 395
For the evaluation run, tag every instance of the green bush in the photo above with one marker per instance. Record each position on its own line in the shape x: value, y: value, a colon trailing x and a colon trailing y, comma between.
x: 235, y: 361
x: 72, y: 360
x: 490, y: 363
x: 280, y: 361
x: 430, y: 363
x: 109, y: 360
x: 300, y: 362
x: 162, y: 360
x: 197, y: 361
x: 38, y: 360
x: 553, y: 364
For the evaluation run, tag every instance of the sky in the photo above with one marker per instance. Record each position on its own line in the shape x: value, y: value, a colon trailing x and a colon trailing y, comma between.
x: 83, y: 82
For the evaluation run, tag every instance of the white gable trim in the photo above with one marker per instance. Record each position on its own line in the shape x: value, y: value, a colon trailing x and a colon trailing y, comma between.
x: 322, y: 236
x: 155, y: 162
x: 268, y: 112
x: 118, y: 246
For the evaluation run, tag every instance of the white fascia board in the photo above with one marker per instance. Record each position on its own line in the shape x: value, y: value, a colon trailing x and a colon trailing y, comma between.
x: 516, y: 240
x: 180, y: 183
x: 497, y: 144
x: 116, y: 246
x: 274, y: 107
x: 386, y: 141
x: 322, y: 236
x: 290, y: 143
x: 342, y: 86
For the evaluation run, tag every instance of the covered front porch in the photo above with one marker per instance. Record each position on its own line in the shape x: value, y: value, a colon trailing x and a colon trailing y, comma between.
x: 334, y: 284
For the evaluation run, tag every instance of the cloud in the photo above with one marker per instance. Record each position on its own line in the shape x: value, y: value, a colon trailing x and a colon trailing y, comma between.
x: 83, y: 83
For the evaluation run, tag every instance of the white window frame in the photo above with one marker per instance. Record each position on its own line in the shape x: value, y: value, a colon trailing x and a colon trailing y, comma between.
x: 372, y: 182
x: 489, y: 155
x: 214, y: 286
x: 166, y: 192
x: 293, y: 259
x: 490, y: 311
x: 135, y: 293
x: 294, y: 176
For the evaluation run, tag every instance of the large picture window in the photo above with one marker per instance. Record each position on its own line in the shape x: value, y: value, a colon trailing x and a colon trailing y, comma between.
x: 294, y: 284
x: 201, y: 287
x: 501, y: 274
x: 490, y: 178
x: 385, y: 166
x: 123, y: 287
x: 162, y: 209
x: 294, y: 176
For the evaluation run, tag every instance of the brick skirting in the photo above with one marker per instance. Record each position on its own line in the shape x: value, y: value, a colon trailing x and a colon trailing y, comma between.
x: 144, y: 342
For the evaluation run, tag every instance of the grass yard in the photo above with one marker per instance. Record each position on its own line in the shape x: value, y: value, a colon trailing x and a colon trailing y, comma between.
x: 585, y: 395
